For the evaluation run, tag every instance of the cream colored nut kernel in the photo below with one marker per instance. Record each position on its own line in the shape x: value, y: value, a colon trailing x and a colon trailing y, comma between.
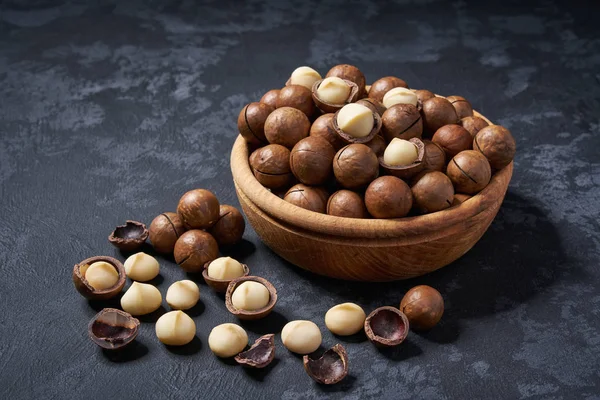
x: 302, y: 337
x: 304, y: 76
x: 356, y: 120
x: 141, y: 267
x: 140, y: 299
x: 225, y: 268
x: 345, y: 319
x: 175, y: 328
x: 367, y: 88
x: 182, y: 295
x: 250, y: 296
x: 400, y: 152
x: 227, y: 340
x: 399, y: 95
x: 101, y: 275
x: 333, y: 90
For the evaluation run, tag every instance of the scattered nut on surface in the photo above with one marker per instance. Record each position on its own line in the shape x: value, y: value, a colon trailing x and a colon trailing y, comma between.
x: 300, y: 336
x: 423, y: 306
x: 356, y: 120
x: 100, y: 275
x: 141, y: 267
x: 399, y: 95
x: 227, y: 340
x: 250, y: 296
x: 175, y: 328
x: 400, y: 152
x: 333, y: 90
x: 225, y: 268
x: 345, y: 319
x: 140, y: 299
x: 183, y: 295
x: 304, y: 76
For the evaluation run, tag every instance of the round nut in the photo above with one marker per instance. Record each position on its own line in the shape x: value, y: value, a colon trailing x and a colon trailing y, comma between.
x: 473, y: 124
x: 351, y: 73
x: 497, y: 144
x: 345, y: 319
x: 198, y: 209
x: 304, y: 76
x: 301, y: 337
x: 469, y: 171
x: 436, y: 113
x: 183, y: 295
x: 401, y: 121
x: 141, y: 299
x: 286, y: 126
x: 348, y: 204
x: 101, y: 275
x: 461, y: 105
x: 399, y: 95
x: 230, y: 226
x: 323, y: 128
x: 355, y: 166
x: 297, y: 97
x: 453, y: 139
x: 175, y: 328
x: 227, y: 340
x: 400, y: 152
x: 194, y: 249
x: 141, y: 267
x: 308, y: 197
x: 383, y: 85
x: 388, y: 197
x: 165, y: 229
x: 270, y: 99
x: 423, y: 306
x: 432, y: 191
x: 251, y: 122
x: 271, y: 166
x: 311, y: 160
x: 250, y: 296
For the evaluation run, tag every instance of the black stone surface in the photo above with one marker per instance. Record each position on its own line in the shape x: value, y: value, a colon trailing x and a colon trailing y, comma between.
x: 110, y: 110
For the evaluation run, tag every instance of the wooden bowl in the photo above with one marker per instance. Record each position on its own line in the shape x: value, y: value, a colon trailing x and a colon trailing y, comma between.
x: 365, y: 249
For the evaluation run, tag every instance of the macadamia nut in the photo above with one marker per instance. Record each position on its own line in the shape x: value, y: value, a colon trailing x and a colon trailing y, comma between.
x: 140, y: 299
x: 227, y: 340
x: 400, y: 152
x: 225, y: 268
x: 250, y: 296
x: 304, y: 76
x: 141, y: 267
x: 399, y: 95
x: 175, y: 328
x: 345, y: 319
x: 101, y: 275
x: 356, y: 120
x: 183, y: 295
x: 302, y: 337
x: 333, y: 90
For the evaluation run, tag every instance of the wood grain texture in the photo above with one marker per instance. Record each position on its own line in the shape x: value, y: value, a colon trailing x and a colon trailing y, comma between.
x: 365, y: 249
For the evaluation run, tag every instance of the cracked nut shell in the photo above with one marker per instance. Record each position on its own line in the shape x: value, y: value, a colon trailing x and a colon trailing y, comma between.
x: 327, y: 107
x: 287, y: 126
x: 195, y: 248
x: 260, y: 354
x: 410, y: 170
x: 113, y: 329
x: 347, y: 204
x: 423, y: 306
x: 270, y: 98
x: 374, y: 105
x: 129, y: 237
x: 473, y: 124
x: 383, y: 85
x: 251, y: 122
x: 497, y: 144
x: 311, y: 160
x: 308, y: 197
x: 469, y: 171
x: 230, y: 226
x: 86, y: 290
x: 330, y: 368
x: 355, y: 166
x: 453, y: 139
x: 386, y: 326
x: 388, y: 197
x: 351, y: 139
x: 297, y: 97
x: 255, y: 314
x: 323, y: 128
x: 461, y: 105
x: 436, y: 113
x: 198, y: 209
x: 432, y: 191
x: 435, y: 157
x: 164, y: 230
x: 271, y: 166
x: 220, y: 285
x: 402, y: 121
x: 351, y: 73
x: 423, y: 95
x: 378, y: 145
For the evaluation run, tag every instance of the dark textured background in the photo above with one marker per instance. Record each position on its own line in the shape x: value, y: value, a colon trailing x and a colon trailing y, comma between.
x: 111, y: 110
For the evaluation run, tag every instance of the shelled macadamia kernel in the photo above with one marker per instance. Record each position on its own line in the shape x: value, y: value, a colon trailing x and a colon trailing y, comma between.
x: 183, y: 295
x: 141, y: 267
x: 227, y: 340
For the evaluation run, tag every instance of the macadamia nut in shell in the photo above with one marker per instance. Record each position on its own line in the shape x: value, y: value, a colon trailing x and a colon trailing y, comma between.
x: 250, y: 296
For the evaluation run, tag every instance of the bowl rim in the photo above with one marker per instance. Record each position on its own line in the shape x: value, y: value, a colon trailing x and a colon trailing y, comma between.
x: 311, y: 221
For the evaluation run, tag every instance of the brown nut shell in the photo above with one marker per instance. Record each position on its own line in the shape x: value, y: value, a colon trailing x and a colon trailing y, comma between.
x: 378, y: 145
x: 461, y: 105
x: 355, y: 166
x: 473, y: 124
x: 198, y: 209
x: 351, y: 73
x: 323, y: 128
x: 407, y: 171
x: 453, y: 139
x: 424, y: 95
x: 251, y: 122
x: 194, y: 249
x: 311, y: 160
x: 460, y: 198
x: 388, y: 197
x: 436, y: 113
x: 435, y: 157
x: 375, y: 105
x: 271, y: 166
x: 230, y: 227
x: 308, y: 197
x: 298, y: 97
x: 402, y: 121
x: 287, y: 126
x: 423, y: 306
x: 330, y: 368
x: 497, y: 144
x: 220, y: 285
x: 270, y: 98
x: 129, y: 237
x: 256, y: 314
x: 164, y: 230
x: 386, y: 326
x: 327, y: 107
x: 347, y: 204
x: 383, y: 85
x: 113, y: 329
x: 432, y: 191
x: 351, y: 139
x: 469, y: 171
x: 260, y: 354
x: 87, y: 291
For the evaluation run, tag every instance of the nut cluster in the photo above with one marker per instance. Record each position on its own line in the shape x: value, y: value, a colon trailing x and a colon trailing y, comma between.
x: 335, y: 145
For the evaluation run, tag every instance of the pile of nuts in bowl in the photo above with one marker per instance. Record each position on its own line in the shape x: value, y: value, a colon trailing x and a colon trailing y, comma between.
x: 341, y: 147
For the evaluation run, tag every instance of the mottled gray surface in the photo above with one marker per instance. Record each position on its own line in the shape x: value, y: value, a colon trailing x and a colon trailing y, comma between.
x: 111, y: 110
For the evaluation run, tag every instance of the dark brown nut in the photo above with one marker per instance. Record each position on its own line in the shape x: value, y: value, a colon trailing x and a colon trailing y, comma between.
x: 287, y: 126
x: 327, y: 102
x: 355, y: 166
x: 460, y: 198
x: 220, y: 285
x: 469, y: 171
x: 350, y: 73
x: 453, y: 139
x: 194, y: 249
x: 271, y: 166
x: 198, y: 209
x: 330, y: 368
x: 423, y: 306
x: 270, y: 98
x: 386, y: 326
x: 254, y: 314
x: 375, y: 105
x: 260, y: 354
x: 436, y: 113
x: 251, y: 122
x: 323, y: 128
x: 352, y: 123
x: 230, y: 227
x: 435, y: 157
x: 307, y: 197
x: 404, y: 171
x: 497, y: 144
x: 473, y: 124
x: 381, y: 86
x: 165, y: 229
x: 377, y: 144
x: 388, y: 197
x: 401, y: 121
x: 461, y: 105
x: 113, y: 329
x: 129, y: 237
x: 311, y: 160
x: 87, y: 290
x: 297, y: 97
x: 348, y: 204
x: 432, y: 191
x: 423, y: 95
